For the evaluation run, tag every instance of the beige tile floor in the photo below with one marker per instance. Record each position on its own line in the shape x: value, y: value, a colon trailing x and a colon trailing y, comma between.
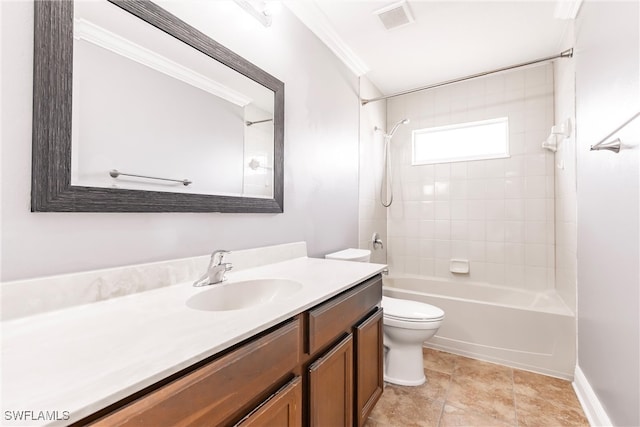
x: 466, y: 392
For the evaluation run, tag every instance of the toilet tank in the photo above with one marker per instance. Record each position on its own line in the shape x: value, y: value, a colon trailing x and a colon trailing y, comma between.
x: 360, y: 255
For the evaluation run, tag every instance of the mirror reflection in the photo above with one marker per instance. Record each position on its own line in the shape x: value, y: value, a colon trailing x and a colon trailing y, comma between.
x: 152, y: 113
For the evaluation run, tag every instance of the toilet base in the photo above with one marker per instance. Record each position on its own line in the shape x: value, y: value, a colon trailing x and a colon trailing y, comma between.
x: 403, y: 365
x: 400, y: 381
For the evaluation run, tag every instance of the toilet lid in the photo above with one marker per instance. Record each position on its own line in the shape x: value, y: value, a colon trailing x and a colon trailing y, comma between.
x: 350, y: 254
x: 410, y: 310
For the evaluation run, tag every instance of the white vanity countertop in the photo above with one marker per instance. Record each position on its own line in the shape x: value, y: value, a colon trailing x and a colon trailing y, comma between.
x: 84, y: 358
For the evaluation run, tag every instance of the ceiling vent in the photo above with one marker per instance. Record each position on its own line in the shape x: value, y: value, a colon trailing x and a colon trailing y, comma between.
x: 395, y: 15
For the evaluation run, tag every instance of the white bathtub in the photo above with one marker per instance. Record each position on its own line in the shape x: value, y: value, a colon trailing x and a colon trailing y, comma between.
x: 528, y: 330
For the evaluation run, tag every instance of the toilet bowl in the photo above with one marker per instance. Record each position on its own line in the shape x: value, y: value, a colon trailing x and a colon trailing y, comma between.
x: 407, y: 325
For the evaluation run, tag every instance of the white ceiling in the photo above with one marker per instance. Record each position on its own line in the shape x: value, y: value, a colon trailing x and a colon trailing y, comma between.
x: 448, y: 39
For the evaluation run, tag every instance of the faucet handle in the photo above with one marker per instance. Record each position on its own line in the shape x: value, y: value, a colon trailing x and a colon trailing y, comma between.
x: 217, y: 257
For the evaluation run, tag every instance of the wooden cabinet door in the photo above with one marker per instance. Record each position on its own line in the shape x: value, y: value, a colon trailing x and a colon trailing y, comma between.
x: 283, y: 409
x: 369, y: 376
x: 331, y: 387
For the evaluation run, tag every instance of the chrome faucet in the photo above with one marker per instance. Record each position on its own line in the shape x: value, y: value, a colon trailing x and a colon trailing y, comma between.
x: 216, y: 270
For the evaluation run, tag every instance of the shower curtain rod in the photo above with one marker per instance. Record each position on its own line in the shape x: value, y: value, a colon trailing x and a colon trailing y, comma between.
x: 564, y: 54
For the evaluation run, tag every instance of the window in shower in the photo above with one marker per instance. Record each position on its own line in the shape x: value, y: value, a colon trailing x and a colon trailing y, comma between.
x: 486, y: 139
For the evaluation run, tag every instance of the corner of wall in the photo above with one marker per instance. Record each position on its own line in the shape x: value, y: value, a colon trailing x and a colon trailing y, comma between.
x: 372, y: 215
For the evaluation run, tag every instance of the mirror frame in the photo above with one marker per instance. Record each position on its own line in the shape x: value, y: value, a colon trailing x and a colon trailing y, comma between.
x: 51, y: 189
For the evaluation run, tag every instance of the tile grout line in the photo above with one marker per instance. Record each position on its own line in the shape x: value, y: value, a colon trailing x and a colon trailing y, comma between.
x: 513, y: 391
x: 446, y: 395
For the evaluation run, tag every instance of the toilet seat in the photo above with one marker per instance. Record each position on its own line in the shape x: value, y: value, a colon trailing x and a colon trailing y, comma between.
x: 410, y: 311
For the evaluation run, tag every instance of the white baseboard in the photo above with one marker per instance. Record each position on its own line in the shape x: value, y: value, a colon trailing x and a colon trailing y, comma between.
x: 590, y: 404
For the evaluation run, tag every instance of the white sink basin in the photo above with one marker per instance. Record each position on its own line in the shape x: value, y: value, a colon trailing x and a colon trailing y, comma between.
x: 245, y: 294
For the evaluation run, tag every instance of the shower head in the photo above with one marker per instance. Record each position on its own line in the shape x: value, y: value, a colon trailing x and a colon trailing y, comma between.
x: 393, y: 129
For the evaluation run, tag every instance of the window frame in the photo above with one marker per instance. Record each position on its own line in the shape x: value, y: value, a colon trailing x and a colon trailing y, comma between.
x: 464, y: 158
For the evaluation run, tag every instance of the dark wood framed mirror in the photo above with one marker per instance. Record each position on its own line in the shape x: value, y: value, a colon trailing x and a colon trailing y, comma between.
x: 53, y: 187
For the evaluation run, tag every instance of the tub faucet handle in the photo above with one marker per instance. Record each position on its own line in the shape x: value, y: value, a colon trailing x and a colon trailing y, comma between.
x: 376, y: 241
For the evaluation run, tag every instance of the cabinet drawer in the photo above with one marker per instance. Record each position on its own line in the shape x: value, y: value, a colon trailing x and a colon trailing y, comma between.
x: 336, y: 316
x: 220, y: 392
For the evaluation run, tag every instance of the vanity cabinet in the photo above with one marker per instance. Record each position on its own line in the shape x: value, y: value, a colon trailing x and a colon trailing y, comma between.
x: 345, y: 346
x: 222, y: 391
x: 321, y: 368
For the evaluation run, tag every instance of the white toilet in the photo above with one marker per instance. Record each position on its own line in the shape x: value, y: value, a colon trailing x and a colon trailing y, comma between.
x: 360, y: 255
x: 407, y: 325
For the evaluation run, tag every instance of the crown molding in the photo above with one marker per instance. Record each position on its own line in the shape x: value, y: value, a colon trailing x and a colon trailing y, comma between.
x: 567, y: 9
x: 92, y: 33
x: 312, y: 16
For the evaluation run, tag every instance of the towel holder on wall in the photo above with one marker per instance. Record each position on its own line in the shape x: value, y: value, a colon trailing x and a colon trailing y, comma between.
x: 114, y: 173
x: 616, y: 143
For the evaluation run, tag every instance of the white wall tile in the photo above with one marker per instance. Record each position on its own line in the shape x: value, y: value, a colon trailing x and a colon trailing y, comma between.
x: 443, y: 210
x: 459, y: 230
x: 476, y: 169
x: 535, y: 255
x: 514, y: 188
x: 476, y: 209
x: 514, y: 209
x: 535, y: 209
x: 498, y: 213
x: 535, y: 187
x: 458, y: 190
x: 458, y: 209
x: 495, y: 252
x: 514, y: 275
x: 426, y: 229
x: 495, y: 209
x: 495, y: 188
x: 443, y: 249
x: 427, y: 210
x: 535, y: 232
x: 460, y: 249
x: 495, y: 273
x: 427, y: 248
x: 514, y: 231
x: 514, y: 253
x: 443, y: 230
x: 442, y: 190
x: 477, y: 251
x: 495, y: 231
x: 478, y: 231
x: 459, y: 171
x: 514, y: 166
x: 427, y: 267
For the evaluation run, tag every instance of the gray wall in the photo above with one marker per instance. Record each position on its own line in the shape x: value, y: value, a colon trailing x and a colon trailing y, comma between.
x: 607, y: 94
x: 321, y: 158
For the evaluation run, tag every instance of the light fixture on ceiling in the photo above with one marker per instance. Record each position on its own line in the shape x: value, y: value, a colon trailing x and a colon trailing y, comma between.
x: 395, y: 15
x: 258, y: 9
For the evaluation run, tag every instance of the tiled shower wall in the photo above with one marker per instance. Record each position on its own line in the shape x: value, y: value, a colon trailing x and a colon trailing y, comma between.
x: 498, y: 214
